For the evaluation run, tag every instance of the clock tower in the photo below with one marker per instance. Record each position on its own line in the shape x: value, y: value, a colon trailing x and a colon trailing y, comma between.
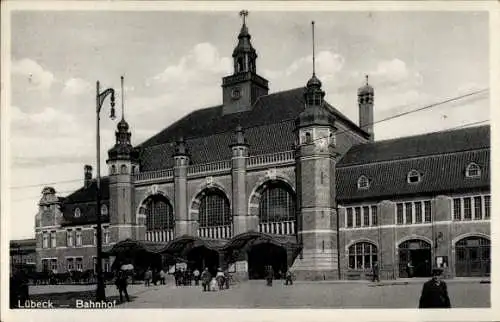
x: 241, y: 89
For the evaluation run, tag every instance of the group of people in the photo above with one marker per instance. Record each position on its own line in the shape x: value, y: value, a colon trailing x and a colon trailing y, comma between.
x: 211, y: 283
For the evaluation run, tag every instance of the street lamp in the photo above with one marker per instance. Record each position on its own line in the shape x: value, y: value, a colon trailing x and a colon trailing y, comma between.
x: 100, y: 97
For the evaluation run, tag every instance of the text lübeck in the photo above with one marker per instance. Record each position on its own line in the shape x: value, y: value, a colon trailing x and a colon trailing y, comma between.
x: 89, y: 304
x: 35, y: 304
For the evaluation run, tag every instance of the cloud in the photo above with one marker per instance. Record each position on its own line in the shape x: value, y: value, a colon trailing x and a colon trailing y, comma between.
x: 35, y: 75
x: 200, y: 65
x: 76, y: 86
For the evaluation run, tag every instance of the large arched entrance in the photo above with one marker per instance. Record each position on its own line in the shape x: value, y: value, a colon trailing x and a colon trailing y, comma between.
x: 277, y: 206
x: 265, y: 254
x: 201, y: 257
x: 473, y: 256
x: 415, y: 258
x: 214, y: 214
x: 159, y: 218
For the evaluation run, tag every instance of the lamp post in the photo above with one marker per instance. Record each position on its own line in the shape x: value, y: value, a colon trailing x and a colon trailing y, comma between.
x: 100, y: 97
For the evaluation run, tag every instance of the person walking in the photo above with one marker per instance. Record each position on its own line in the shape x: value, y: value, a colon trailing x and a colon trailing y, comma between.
x: 121, y: 284
x: 226, y: 279
x: 288, y: 277
x: 435, y: 292
x: 162, y: 277
x: 196, y: 275
x: 205, y: 279
x: 220, y: 278
x: 147, y: 277
x: 375, y: 273
x: 269, y: 275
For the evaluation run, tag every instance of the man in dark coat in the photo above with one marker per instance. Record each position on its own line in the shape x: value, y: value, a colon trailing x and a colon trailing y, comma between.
x: 435, y: 292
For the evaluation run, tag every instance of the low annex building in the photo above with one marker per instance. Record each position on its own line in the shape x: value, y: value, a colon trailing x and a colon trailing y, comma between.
x: 281, y: 179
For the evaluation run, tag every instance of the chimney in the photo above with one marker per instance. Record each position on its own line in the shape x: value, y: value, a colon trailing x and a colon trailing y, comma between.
x: 87, y: 171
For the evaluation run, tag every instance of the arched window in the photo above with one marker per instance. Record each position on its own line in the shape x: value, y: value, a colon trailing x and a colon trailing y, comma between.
x: 362, y: 255
x: 277, y: 204
x: 78, y: 212
x: 414, y: 176
x: 363, y: 182
x: 472, y: 170
x: 113, y: 169
x: 123, y: 169
x: 104, y: 210
x: 214, y: 209
x: 159, y: 214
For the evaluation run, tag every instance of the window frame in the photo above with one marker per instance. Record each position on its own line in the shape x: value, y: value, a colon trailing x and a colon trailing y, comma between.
x: 356, y: 257
x: 363, y: 183
x: 412, y: 174
x: 473, y: 167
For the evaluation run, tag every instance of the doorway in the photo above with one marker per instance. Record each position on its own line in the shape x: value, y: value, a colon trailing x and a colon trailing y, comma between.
x: 201, y: 257
x: 266, y: 254
x: 415, y: 259
x: 472, y: 256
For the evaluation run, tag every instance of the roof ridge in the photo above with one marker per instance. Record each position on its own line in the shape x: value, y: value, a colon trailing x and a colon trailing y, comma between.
x: 424, y: 134
x: 352, y: 165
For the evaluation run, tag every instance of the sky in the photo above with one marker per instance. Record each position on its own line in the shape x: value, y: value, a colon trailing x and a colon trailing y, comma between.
x: 173, y: 63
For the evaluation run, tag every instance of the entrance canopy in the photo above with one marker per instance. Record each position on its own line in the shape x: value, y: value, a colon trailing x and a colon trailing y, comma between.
x: 183, y: 244
x: 252, y: 238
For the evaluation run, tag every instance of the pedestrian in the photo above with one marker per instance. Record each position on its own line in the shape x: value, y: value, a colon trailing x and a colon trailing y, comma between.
x: 375, y: 272
x: 434, y: 292
x: 121, y: 284
x: 162, y: 277
x: 270, y: 275
x: 226, y: 279
x: 288, y: 277
x: 220, y: 278
x: 147, y: 277
x: 205, y: 279
x: 196, y: 274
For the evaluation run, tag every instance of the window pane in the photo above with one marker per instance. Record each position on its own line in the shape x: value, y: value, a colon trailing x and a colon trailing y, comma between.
x: 352, y: 263
x: 367, y: 261
x: 366, y: 216
x: 418, y: 212
x: 427, y: 209
x: 478, y: 208
x: 358, y: 216
x: 374, y: 216
x: 359, y: 261
x: 408, y: 213
x: 276, y: 205
x: 467, y: 209
x: 487, y: 206
x: 399, y: 209
x: 214, y: 210
x: 457, y: 210
x: 349, y: 217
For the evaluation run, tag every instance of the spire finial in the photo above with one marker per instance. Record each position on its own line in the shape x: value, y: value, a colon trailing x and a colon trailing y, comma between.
x: 123, y: 105
x: 314, y: 55
x: 366, y: 76
x: 244, y: 14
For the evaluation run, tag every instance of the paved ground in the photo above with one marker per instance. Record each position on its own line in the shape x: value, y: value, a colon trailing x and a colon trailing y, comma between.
x: 254, y: 294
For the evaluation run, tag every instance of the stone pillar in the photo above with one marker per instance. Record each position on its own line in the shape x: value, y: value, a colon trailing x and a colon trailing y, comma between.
x: 441, y: 214
x: 184, y: 225
x: 239, y: 147
x: 388, y: 259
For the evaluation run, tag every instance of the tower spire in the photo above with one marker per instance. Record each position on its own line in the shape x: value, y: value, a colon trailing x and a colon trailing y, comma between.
x: 366, y: 76
x: 244, y: 14
x: 123, y: 105
x: 313, y: 45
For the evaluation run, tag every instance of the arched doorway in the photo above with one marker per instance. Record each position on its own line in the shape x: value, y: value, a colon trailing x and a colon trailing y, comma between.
x: 473, y: 256
x: 201, y: 257
x: 261, y: 255
x: 415, y: 258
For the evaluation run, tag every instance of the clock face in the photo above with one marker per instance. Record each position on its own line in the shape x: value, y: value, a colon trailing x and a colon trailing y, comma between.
x: 236, y: 93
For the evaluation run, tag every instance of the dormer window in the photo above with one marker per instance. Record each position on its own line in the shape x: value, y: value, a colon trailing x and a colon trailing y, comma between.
x: 104, y: 210
x: 414, y: 176
x: 363, y: 182
x: 473, y: 170
x: 78, y: 213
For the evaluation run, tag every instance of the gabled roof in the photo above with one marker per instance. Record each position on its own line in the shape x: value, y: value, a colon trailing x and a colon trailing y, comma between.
x: 268, y: 128
x: 441, y: 158
x: 85, y: 199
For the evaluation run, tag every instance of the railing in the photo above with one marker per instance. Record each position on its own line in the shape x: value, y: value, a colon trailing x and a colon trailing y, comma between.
x: 210, y: 167
x: 265, y: 159
x: 160, y: 235
x: 278, y: 228
x: 151, y: 175
x: 217, y: 232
